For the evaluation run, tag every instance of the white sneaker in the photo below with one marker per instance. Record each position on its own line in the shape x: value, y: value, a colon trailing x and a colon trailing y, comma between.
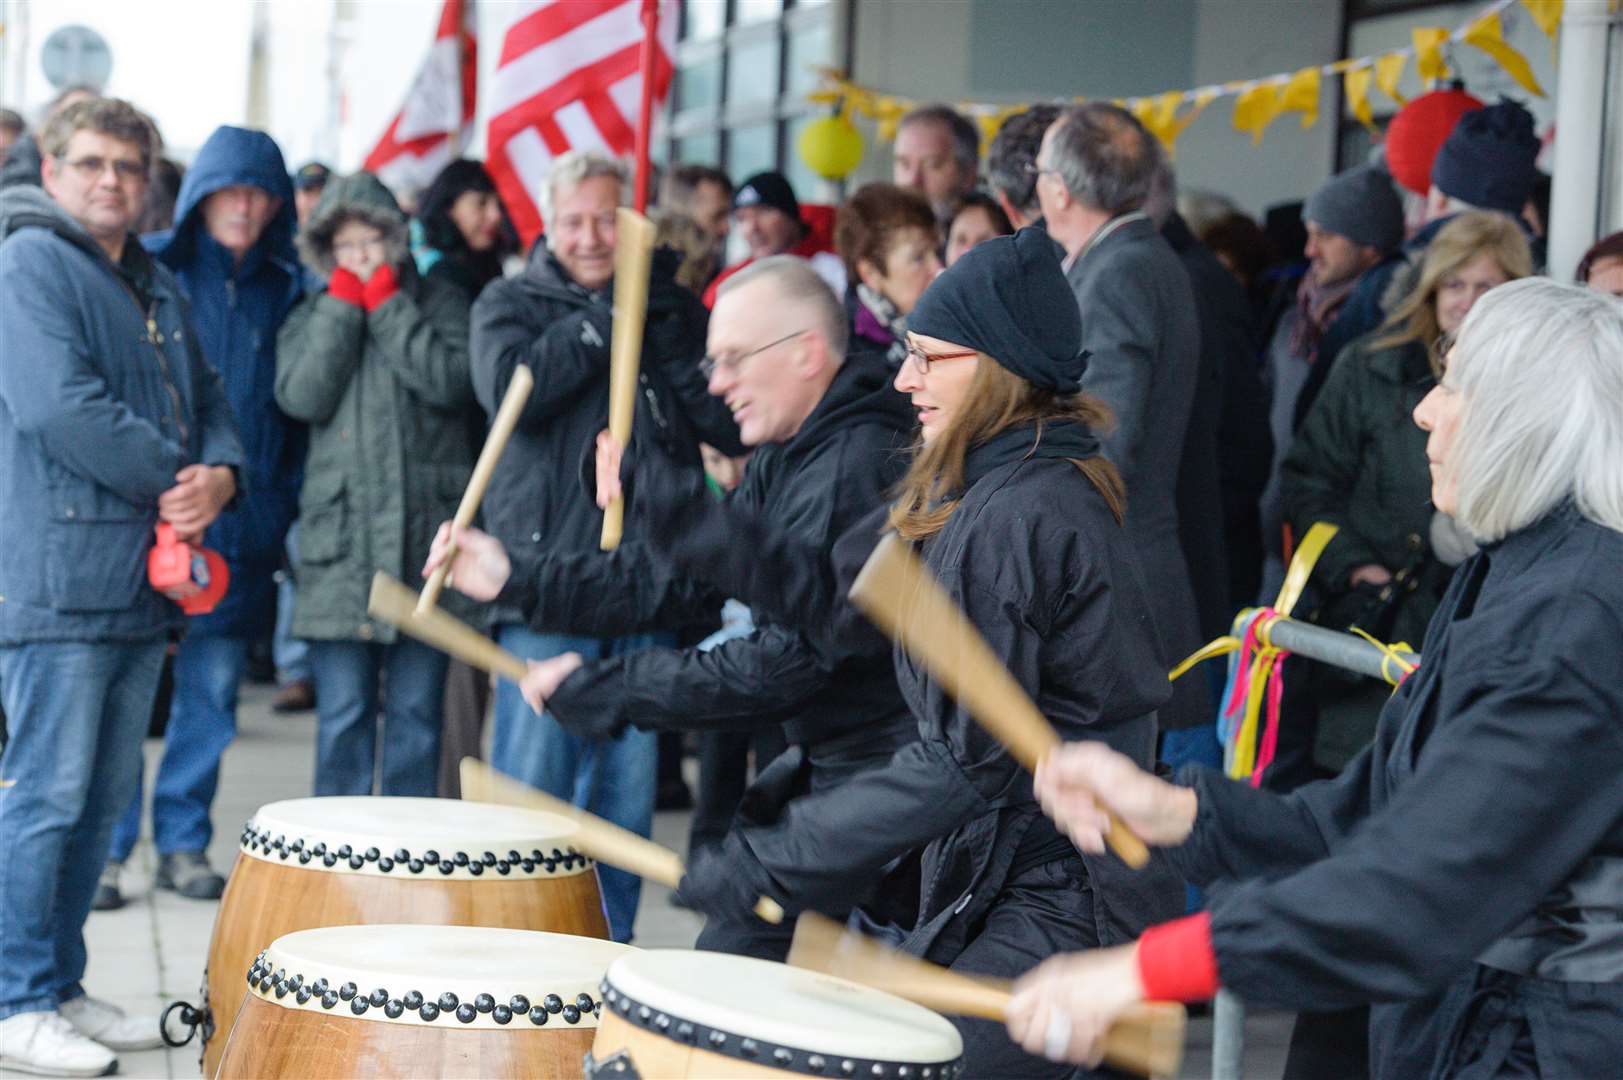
x: 45, y: 1044
x: 108, y: 1024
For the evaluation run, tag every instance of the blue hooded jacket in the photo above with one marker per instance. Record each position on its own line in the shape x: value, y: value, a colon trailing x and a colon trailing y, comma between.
x: 237, y: 310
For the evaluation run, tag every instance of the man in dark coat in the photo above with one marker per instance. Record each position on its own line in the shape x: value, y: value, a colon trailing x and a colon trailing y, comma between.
x: 829, y: 431
x: 232, y: 252
x: 1354, y: 225
x: 556, y: 318
x: 111, y: 421
x: 1139, y: 325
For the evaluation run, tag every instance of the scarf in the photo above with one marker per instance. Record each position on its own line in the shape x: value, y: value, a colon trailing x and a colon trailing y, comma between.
x: 1316, y: 308
x: 886, y: 320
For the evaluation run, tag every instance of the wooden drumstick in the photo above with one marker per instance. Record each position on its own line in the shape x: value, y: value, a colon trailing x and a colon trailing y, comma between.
x: 602, y: 840
x: 633, y: 252
x: 1145, y: 1039
x: 393, y: 603
x: 518, y: 392
x: 896, y: 591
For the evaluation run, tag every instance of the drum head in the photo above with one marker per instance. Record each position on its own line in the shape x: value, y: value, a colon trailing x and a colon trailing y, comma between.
x: 449, y: 976
x: 449, y: 838
x: 787, y: 1016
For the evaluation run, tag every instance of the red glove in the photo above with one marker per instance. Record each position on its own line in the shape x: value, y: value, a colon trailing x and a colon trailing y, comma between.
x: 380, y: 286
x: 345, y: 286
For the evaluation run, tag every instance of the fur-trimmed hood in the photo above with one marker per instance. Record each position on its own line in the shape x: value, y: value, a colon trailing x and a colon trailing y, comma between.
x: 359, y: 196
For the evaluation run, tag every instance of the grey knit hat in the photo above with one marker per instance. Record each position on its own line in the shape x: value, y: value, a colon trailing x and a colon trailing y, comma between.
x: 1360, y: 204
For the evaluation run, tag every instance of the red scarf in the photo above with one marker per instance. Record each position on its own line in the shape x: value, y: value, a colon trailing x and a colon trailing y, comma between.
x: 1316, y: 308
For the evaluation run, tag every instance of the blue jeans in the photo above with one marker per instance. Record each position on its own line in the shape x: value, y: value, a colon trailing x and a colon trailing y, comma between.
x: 77, y: 712
x: 290, y: 654
x: 202, y: 723
x: 613, y: 779
x: 354, y: 682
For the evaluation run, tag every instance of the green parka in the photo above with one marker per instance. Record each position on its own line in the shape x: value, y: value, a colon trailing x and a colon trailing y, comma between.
x: 1359, y: 462
x: 385, y: 395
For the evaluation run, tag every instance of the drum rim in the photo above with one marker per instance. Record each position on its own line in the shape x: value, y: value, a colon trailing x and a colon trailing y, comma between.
x: 771, y: 1037
x: 349, y: 851
x: 337, y: 989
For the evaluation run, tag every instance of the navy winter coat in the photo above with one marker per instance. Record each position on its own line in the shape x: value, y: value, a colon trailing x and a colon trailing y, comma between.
x: 237, y: 310
x: 104, y: 397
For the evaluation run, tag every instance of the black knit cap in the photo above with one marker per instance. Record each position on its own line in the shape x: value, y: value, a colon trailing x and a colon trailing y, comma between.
x: 1489, y: 158
x: 768, y: 189
x: 1008, y: 298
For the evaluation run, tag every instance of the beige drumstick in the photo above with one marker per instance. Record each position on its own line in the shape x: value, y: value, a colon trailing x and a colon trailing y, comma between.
x: 393, y: 603
x: 602, y: 840
x: 518, y: 392
x: 896, y: 591
x: 633, y: 252
x: 1146, y: 1039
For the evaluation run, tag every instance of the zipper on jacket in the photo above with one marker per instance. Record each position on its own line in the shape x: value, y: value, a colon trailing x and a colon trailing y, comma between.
x: 156, y: 341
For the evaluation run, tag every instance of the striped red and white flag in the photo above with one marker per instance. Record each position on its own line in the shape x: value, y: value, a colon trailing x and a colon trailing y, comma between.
x: 436, y: 121
x: 568, y: 80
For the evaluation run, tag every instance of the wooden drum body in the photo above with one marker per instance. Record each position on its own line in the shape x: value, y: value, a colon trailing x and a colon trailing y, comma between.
x: 309, y: 863
x: 671, y: 1013
x: 419, y: 1001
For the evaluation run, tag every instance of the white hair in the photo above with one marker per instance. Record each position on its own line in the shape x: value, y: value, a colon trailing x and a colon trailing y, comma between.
x: 1539, y: 368
x: 798, y: 284
x: 574, y: 167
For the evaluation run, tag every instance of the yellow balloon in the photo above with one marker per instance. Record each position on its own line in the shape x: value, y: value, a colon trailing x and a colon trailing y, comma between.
x: 831, y: 147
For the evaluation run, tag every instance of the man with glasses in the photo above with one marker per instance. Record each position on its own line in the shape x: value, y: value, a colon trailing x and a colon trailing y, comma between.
x: 556, y: 318
x: 110, y: 423
x: 828, y: 430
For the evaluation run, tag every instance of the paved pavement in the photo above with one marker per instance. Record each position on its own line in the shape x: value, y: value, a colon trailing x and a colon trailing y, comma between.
x: 152, y: 951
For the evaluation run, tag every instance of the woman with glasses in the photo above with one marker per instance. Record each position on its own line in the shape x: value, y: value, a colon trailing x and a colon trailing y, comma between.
x: 377, y: 364
x: 887, y: 237
x: 1011, y: 505
x: 1359, y: 463
x: 1464, y: 873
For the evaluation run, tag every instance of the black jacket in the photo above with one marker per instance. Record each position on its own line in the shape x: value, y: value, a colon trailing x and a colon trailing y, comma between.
x: 1465, y: 872
x: 541, y: 318
x: 1038, y: 563
x: 1226, y: 451
x: 812, y: 488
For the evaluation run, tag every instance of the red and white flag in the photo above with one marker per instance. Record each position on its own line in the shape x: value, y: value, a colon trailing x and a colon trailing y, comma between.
x: 568, y: 80
x: 436, y: 121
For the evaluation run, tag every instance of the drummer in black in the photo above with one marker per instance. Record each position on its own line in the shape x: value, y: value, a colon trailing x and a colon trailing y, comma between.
x: 1013, y: 508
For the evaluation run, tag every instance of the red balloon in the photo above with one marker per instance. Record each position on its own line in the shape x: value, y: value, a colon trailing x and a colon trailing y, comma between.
x: 1419, y: 130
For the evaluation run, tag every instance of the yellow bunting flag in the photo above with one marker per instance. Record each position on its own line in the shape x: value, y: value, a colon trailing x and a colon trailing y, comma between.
x: 1301, y: 95
x: 1546, y: 13
x: 1428, y: 52
x: 1488, y: 34
x: 1357, y: 81
x: 1388, y: 70
x: 1255, y: 109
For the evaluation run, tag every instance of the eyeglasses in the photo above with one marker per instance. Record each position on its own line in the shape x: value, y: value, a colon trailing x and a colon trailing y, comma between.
x: 358, y: 247
x: 91, y: 168
x: 732, y: 363
x: 922, y: 360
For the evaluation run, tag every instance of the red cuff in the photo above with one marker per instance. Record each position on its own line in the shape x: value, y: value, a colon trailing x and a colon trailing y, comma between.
x: 380, y: 286
x: 1176, y: 961
x: 345, y: 286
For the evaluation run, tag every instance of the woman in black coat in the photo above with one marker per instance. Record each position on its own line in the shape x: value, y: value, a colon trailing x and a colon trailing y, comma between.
x: 1465, y: 873
x: 1013, y: 509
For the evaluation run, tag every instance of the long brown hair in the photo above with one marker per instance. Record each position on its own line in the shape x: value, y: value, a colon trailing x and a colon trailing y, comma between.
x: 997, y: 400
x: 1476, y: 232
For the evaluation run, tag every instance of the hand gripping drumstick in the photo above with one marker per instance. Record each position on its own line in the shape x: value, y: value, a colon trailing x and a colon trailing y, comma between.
x: 393, y: 603
x: 896, y: 591
x: 602, y: 840
x: 633, y: 251
x: 518, y: 392
x: 1145, y: 1039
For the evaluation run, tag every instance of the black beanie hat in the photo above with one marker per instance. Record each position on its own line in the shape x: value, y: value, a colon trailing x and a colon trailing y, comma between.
x: 768, y: 189
x: 1488, y: 159
x: 1008, y: 298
